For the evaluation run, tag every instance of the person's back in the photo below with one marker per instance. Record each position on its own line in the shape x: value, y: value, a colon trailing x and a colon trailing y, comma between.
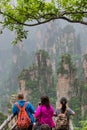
x: 67, y: 112
x: 45, y: 112
x: 29, y: 109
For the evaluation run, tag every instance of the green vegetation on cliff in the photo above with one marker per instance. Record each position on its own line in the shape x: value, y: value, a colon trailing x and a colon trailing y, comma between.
x: 39, y: 79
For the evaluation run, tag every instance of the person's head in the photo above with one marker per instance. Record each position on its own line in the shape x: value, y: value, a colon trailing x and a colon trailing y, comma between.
x: 20, y: 96
x: 44, y: 127
x: 63, y: 102
x: 45, y: 101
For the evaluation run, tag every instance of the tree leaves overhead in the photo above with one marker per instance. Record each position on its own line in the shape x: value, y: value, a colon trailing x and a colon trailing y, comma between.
x: 35, y: 12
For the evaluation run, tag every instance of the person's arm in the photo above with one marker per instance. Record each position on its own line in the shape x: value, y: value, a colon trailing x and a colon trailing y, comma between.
x: 31, y: 108
x: 37, y: 112
x: 71, y: 112
x: 56, y: 112
x: 52, y: 110
x: 15, y: 110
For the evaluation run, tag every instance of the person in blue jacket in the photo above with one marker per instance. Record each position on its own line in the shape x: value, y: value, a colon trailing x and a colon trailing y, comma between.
x: 29, y: 108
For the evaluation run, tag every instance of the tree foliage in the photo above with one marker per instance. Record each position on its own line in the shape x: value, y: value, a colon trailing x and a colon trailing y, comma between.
x: 66, y: 59
x: 19, y: 13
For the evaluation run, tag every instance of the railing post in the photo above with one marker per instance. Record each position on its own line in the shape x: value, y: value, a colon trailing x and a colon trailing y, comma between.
x: 12, y: 128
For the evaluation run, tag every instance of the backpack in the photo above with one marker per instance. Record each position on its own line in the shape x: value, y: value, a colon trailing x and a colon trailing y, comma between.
x: 23, y: 120
x: 62, y: 123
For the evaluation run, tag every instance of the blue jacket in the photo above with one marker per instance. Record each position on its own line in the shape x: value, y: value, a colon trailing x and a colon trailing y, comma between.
x: 29, y: 108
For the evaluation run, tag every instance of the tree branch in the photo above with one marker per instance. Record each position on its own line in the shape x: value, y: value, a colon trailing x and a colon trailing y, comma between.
x: 50, y: 16
x: 79, y: 12
x: 73, y: 21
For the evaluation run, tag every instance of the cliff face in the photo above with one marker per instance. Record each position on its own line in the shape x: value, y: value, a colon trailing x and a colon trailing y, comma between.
x: 84, y: 87
x: 58, y: 41
x: 63, y: 87
x: 71, y: 86
x: 22, y: 88
x: 66, y: 78
x: 38, y: 79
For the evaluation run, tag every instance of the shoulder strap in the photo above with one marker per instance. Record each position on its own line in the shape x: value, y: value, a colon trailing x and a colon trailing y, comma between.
x: 25, y: 104
x: 19, y: 107
x: 65, y: 111
x: 59, y: 109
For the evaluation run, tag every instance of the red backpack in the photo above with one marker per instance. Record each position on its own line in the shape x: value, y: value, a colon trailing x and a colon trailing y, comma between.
x: 23, y: 120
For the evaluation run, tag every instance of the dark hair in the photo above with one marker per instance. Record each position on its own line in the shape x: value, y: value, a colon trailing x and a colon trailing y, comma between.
x: 44, y: 127
x: 20, y: 96
x: 39, y: 103
x: 45, y: 101
x: 63, y: 101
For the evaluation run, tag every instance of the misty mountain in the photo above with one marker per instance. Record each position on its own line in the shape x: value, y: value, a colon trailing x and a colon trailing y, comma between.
x: 15, y: 58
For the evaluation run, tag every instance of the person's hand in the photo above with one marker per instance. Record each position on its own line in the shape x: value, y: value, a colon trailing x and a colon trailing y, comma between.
x: 54, y: 114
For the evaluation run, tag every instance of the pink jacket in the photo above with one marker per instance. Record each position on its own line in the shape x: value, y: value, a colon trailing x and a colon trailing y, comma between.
x: 44, y: 115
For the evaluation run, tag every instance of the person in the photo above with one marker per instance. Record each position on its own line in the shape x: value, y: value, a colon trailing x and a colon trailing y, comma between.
x: 64, y: 109
x: 29, y: 109
x: 45, y: 112
x: 44, y: 127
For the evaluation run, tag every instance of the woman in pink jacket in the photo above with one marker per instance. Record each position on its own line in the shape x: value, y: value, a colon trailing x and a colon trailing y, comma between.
x: 45, y: 112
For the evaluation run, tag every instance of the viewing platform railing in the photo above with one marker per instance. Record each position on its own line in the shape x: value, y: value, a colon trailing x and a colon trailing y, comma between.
x: 6, y: 124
